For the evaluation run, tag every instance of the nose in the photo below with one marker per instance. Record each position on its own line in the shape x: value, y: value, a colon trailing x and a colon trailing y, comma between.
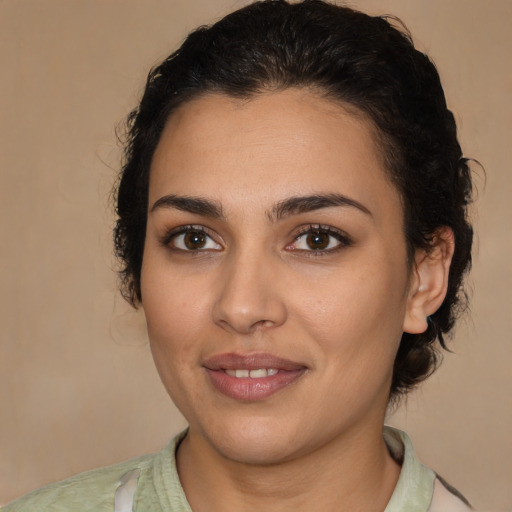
x: 248, y: 299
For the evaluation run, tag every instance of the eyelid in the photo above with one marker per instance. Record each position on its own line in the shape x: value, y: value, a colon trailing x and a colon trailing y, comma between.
x: 342, y: 237
x: 173, y: 233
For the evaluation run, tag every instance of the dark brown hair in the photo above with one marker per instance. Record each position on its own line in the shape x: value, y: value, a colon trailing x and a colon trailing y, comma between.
x: 358, y: 60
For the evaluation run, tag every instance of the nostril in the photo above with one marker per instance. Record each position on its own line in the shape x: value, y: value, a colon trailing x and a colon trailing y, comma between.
x: 263, y: 324
x: 245, y: 327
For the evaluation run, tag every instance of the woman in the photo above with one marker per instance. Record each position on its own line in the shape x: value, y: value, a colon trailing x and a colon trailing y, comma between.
x: 292, y: 219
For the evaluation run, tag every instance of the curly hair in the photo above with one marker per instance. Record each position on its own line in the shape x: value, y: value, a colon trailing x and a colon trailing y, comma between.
x: 360, y: 61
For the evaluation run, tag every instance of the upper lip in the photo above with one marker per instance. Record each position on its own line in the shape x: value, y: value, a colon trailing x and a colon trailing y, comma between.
x: 250, y: 362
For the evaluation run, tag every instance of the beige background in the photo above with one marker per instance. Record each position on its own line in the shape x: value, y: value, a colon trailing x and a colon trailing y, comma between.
x: 78, y: 389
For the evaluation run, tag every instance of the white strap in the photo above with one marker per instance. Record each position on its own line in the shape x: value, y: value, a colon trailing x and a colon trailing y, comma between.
x: 125, y: 493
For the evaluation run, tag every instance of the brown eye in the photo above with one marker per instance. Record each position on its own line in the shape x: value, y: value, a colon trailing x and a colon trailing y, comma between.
x: 317, y: 240
x: 320, y: 240
x: 191, y: 239
x: 194, y: 240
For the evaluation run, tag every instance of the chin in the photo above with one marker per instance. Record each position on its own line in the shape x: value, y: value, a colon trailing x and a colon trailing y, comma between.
x: 254, y: 442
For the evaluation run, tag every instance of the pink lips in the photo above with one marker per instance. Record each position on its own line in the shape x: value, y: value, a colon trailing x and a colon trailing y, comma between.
x: 249, y: 388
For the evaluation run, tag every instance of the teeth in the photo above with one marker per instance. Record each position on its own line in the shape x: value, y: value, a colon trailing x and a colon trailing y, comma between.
x: 256, y: 374
x: 253, y: 374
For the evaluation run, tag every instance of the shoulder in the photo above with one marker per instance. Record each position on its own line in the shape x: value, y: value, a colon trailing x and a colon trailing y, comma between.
x: 90, y: 491
x: 419, y: 489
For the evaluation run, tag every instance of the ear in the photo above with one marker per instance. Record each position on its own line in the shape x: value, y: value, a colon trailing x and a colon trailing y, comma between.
x: 429, y: 281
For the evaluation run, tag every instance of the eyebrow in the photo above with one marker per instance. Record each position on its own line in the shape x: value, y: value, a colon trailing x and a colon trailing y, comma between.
x: 304, y: 204
x: 286, y: 208
x: 195, y: 205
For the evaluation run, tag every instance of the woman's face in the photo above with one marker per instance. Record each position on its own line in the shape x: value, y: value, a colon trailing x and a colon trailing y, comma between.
x: 275, y: 276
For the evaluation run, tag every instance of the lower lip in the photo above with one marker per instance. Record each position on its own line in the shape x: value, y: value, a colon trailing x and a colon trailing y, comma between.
x: 252, y: 389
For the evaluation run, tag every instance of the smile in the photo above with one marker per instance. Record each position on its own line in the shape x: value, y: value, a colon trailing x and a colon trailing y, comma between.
x: 251, y: 377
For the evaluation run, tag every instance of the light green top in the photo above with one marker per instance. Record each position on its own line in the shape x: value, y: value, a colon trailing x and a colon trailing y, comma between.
x: 151, y: 484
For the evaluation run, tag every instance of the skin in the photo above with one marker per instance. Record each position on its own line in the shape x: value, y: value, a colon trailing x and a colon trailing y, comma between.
x: 256, y: 286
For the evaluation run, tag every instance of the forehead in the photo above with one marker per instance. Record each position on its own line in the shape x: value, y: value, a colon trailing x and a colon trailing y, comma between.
x: 283, y: 143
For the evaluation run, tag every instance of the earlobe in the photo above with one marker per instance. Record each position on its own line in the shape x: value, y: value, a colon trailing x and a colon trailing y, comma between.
x: 429, y: 281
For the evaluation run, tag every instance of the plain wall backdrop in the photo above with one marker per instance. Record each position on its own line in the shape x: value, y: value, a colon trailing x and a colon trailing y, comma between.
x: 78, y: 388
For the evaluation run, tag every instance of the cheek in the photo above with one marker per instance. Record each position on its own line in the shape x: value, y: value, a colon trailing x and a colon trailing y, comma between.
x: 173, y: 316
x: 174, y: 313
x: 358, y: 315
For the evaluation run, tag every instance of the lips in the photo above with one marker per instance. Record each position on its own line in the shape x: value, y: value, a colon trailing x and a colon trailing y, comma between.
x: 251, y: 377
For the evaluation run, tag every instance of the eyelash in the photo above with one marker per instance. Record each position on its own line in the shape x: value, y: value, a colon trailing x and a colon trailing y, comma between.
x: 340, y: 236
x: 343, y: 239
x: 173, y: 234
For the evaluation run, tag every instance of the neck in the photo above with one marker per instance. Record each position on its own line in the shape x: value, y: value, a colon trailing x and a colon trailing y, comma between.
x: 351, y: 473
